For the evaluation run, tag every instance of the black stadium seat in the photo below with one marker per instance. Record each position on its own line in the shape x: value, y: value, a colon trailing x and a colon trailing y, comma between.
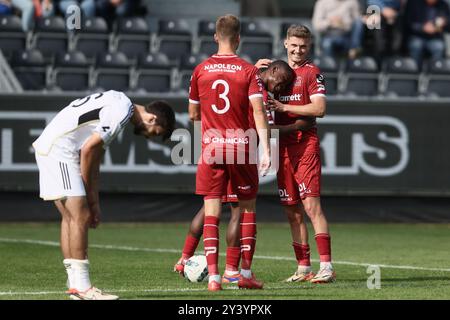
x: 71, y: 71
x: 30, y: 69
x: 256, y: 41
x: 401, y: 77
x: 362, y: 77
x: 133, y: 36
x: 206, y: 43
x: 174, y: 38
x: 51, y: 36
x: 187, y: 65
x: 113, y: 72
x: 154, y: 73
x: 330, y: 69
x: 93, y: 37
x: 438, y: 78
x: 12, y: 38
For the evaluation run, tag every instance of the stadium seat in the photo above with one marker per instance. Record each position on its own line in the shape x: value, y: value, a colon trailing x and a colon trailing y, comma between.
x: 256, y: 41
x: 133, y: 36
x: 71, y: 71
x: 174, y: 38
x: 51, y: 36
x: 401, y: 77
x: 206, y: 44
x: 187, y: 65
x: 154, y: 73
x: 330, y: 69
x: 362, y: 77
x: 93, y: 38
x: 113, y: 72
x: 438, y: 78
x: 12, y: 38
x: 30, y: 69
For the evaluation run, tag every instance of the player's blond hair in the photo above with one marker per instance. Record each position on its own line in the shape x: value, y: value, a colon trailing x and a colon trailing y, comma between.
x: 228, y: 27
x: 298, y: 31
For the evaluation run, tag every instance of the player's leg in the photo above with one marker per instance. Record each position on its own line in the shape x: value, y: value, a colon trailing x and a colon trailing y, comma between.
x: 80, y: 217
x: 213, y: 208
x: 211, y: 183
x: 62, y: 182
x: 191, y: 241
x: 244, y: 181
x: 290, y: 200
x: 299, y: 233
x: 65, y: 240
x: 248, y: 244
x: 233, y: 256
x: 308, y: 175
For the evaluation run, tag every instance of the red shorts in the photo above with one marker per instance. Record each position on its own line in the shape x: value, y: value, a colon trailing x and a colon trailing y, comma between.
x: 230, y: 196
x: 212, y: 179
x: 298, y: 176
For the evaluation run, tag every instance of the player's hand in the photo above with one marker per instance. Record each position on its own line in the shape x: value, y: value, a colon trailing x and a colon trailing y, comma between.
x: 263, y: 63
x: 264, y: 164
x: 429, y: 28
x: 275, y: 105
x: 94, y: 220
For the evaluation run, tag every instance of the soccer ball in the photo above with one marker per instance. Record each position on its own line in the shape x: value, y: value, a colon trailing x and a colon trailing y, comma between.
x: 196, y: 269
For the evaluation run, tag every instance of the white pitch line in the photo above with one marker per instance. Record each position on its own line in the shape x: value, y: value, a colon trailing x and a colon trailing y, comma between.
x: 37, y: 293
x: 128, y: 248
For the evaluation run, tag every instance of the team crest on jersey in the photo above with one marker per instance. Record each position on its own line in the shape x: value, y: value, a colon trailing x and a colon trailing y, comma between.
x: 298, y: 81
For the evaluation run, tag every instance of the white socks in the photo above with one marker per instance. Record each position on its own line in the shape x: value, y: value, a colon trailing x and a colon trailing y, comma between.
x: 78, y: 274
x: 70, y: 279
x: 246, y: 273
x: 326, y: 265
x: 303, y: 269
x: 215, y: 278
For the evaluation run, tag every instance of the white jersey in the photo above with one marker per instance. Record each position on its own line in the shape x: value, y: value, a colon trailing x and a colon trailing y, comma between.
x: 105, y: 113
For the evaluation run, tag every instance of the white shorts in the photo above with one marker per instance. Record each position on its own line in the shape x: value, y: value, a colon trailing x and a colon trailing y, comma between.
x: 58, y: 179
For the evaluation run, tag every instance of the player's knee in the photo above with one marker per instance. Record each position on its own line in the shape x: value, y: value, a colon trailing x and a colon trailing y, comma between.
x: 81, y: 218
x: 313, y: 210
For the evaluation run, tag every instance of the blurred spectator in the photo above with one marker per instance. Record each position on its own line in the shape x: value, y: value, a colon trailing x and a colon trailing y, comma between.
x: 260, y: 8
x: 111, y: 9
x: 426, y: 21
x: 43, y: 8
x: 87, y: 7
x: 26, y: 7
x: 340, y: 26
x: 387, y: 37
x: 5, y: 7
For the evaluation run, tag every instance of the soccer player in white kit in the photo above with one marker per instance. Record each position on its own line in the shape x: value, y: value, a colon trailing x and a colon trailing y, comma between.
x: 68, y: 154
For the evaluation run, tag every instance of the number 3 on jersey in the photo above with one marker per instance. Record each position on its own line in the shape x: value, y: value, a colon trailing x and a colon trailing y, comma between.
x: 222, y: 96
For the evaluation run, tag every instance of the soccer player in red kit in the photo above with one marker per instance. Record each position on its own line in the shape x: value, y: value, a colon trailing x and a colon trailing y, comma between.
x: 300, y: 167
x: 222, y: 87
x: 275, y: 76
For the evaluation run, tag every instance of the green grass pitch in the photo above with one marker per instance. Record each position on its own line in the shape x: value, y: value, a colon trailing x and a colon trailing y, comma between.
x: 135, y: 261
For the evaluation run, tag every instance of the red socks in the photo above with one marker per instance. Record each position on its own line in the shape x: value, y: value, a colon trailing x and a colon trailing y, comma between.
x: 323, y: 241
x: 190, y: 244
x: 302, y: 254
x: 211, y: 243
x: 233, y: 257
x: 248, y: 239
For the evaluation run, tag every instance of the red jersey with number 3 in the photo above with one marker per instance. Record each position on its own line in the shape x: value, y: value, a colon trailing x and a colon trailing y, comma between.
x: 308, y: 83
x: 223, y: 85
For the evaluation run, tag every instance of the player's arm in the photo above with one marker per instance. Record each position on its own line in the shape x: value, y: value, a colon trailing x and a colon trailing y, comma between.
x: 194, y: 111
x: 301, y: 124
x: 262, y: 127
x: 90, y: 157
x: 316, y: 108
